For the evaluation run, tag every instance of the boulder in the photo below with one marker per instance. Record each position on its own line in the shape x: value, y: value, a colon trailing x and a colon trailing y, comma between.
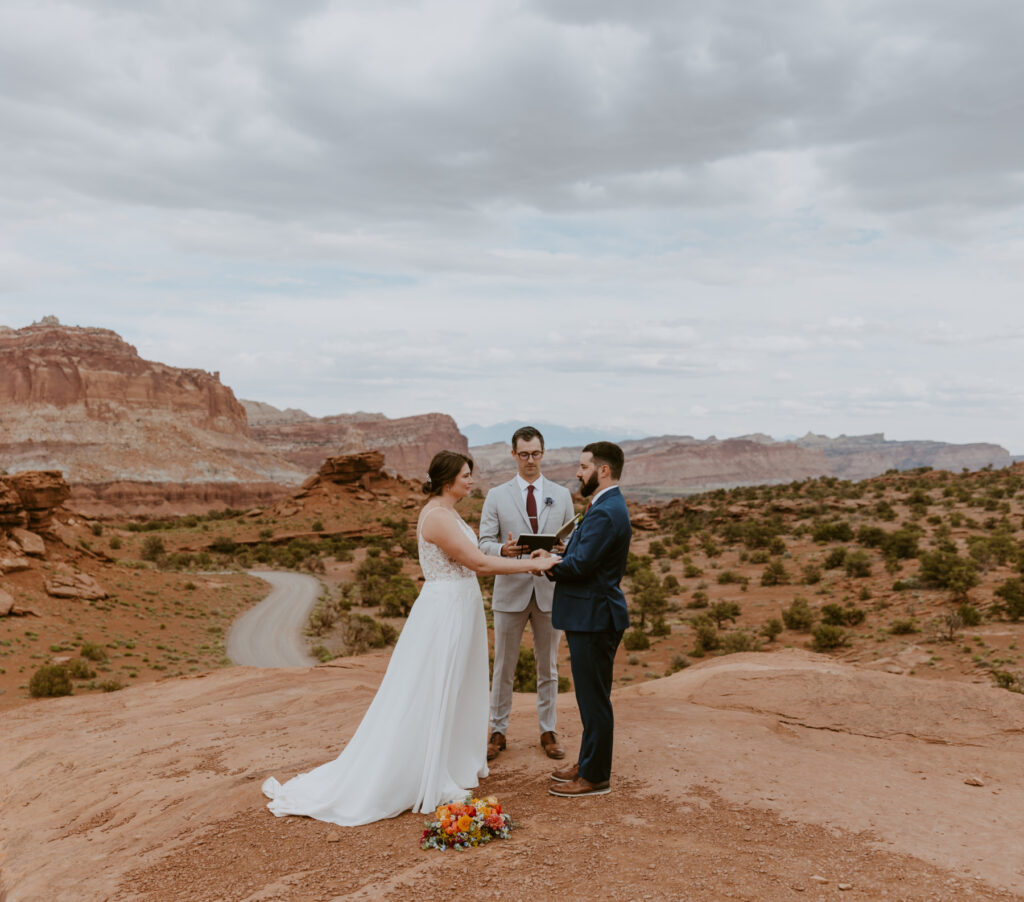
x: 65, y: 582
x: 12, y: 563
x: 40, y: 492
x: 351, y: 468
x: 6, y: 603
x: 31, y: 543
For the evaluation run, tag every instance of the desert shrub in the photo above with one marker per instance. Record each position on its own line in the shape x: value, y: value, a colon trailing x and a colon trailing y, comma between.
x: 322, y: 653
x: 152, y: 548
x: 360, y: 632
x: 724, y: 610
x: 317, y: 525
x: 699, y: 599
x: 399, y: 594
x: 79, y: 669
x: 739, y: 641
x: 903, y: 627
x: 678, y: 662
x: 224, y: 545
x: 110, y: 685
x: 835, y: 558
x: 96, y: 529
x: 727, y: 577
x: 692, y: 571
x: 525, y: 677
x: 649, y: 595
x: 661, y: 628
x: 799, y: 615
x: 775, y: 574
x: 706, y: 635
x: 656, y: 549
x: 50, y: 680
x: 811, y: 575
x: 857, y: 564
x: 1012, y: 594
x: 115, y: 543
x: 826, y: 636
x: 953, y: 623
x: 93, y: 652
x: 1006, y: 680
x: 969, y: 614
x: 837, y: 615
x: 636, y: 640
x: 761, y: 556
x: 771, y: 629
x: 833, y: 531
x: 947, y: 570
x: 670, y: 584
x: 635, y: 562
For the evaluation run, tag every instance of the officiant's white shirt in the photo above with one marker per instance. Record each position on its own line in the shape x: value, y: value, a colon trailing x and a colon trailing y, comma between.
x: 538, y: 487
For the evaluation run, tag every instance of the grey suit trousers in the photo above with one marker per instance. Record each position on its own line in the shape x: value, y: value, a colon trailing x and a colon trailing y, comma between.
x: 508, y: 633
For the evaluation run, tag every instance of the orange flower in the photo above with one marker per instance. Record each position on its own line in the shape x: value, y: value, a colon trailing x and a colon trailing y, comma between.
x: 464, y: 823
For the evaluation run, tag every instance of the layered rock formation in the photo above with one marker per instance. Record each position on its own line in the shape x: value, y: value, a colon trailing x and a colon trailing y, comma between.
x: 28, y: 502
x: 82, y: 401
x: 862, y: 456
x: 408, y: 443
x: 672, y: 465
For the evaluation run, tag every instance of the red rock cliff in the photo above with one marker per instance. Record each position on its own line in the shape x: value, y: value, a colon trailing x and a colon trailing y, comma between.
x: 82, y: 401
x: 408, y: 443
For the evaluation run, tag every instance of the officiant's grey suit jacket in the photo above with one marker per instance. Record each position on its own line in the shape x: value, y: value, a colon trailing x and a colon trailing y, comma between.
x: 504, y: 512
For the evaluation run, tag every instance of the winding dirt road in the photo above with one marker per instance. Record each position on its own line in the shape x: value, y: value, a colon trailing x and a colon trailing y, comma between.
x: 270, y: 634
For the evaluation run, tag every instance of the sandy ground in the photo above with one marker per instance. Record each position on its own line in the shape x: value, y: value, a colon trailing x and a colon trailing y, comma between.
x: 785, y: 776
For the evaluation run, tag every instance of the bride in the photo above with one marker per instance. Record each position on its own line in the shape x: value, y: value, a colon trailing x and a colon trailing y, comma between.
x: 423, y: 740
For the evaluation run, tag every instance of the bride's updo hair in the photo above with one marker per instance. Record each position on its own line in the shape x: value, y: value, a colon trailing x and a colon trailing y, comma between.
x: 445, y: 466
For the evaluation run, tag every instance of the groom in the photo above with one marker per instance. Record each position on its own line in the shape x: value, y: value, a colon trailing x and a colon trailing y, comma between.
x: 590, y: 607
x: 527, y: 503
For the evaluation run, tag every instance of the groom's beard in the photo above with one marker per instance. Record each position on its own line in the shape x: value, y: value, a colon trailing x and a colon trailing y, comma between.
x: 589, y: 487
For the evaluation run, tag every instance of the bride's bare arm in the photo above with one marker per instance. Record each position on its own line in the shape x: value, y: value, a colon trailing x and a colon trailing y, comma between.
x: 442, y: 530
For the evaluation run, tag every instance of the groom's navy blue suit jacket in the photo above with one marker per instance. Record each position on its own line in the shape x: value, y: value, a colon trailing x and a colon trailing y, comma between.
x: 588, y: 597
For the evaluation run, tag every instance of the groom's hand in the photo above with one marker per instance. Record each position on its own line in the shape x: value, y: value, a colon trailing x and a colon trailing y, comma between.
x: 511, y: 549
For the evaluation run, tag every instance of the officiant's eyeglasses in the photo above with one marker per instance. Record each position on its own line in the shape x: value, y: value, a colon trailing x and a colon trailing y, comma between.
x: 528, y: 455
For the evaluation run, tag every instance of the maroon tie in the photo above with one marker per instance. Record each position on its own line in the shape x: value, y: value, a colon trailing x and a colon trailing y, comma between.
x: 531, y: 507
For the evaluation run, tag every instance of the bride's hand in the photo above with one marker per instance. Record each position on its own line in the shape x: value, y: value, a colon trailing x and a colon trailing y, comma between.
x: 543, y: 560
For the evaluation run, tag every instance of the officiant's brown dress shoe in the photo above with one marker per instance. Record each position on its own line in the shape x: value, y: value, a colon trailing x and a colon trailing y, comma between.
x: 495, y: 745
x: 566, y: 774
x: 574, y: 789
x: 549, y: 742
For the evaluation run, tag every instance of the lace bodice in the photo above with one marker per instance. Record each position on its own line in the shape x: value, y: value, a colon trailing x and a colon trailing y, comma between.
x: 433, y: 561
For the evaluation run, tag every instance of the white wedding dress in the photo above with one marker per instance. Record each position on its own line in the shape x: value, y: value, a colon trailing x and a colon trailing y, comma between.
x: 423, y: 740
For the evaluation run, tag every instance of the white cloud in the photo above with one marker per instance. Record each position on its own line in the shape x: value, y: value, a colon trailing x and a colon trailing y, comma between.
x: 633, y: 213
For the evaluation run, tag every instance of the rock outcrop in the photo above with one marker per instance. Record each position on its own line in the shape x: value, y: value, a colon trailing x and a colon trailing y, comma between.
x: 408, y: 443
x: 82, y: 401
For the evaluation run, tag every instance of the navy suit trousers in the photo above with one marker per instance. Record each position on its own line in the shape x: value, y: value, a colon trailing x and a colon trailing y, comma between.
x: 592, y: 655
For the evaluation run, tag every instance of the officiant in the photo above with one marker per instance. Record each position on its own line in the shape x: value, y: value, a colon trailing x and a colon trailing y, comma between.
x: 527, y: 503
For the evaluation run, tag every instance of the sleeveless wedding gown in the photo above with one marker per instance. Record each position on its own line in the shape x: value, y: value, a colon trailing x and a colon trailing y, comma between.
x: 423, y: 740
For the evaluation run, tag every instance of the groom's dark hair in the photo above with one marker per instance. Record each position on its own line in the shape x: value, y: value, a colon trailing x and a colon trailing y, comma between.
x: 527, y: 433
x: 608, y: 453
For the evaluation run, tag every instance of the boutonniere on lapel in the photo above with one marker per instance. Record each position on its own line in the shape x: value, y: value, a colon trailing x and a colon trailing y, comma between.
x: 549, y: 501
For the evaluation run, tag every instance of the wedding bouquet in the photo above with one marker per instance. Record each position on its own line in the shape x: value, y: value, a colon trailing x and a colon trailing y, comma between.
x: 471, y: 823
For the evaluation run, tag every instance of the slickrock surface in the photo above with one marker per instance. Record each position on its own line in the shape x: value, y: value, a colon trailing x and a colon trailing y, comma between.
x: 745, y: 777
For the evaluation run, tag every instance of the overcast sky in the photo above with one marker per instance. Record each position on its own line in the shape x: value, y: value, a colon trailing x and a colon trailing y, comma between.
x: 696, y: 218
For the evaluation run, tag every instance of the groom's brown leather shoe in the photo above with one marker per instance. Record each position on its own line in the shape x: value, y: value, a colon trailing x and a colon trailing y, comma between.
x: 579, y: 787
x: 549, y: 742
x: 566, y: 774
x: 495, y: 745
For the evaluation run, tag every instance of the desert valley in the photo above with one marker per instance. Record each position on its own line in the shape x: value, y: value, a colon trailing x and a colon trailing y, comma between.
x: 820, y: 694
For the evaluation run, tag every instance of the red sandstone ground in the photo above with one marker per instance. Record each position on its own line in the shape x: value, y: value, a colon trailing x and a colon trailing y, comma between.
x: 786, y: 776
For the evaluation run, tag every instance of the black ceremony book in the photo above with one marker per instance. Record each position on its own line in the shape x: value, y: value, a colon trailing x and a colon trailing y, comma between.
x: 547, y: 541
